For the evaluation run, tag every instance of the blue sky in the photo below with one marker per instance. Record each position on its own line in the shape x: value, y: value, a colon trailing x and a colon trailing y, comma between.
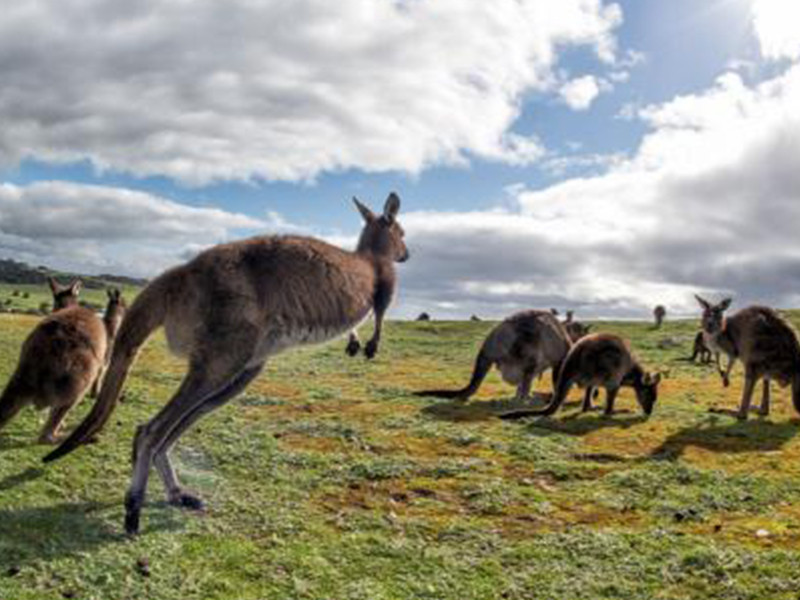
x: 641, y: 54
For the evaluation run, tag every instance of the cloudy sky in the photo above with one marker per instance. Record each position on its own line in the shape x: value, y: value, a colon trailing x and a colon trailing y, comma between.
x: 587, y: 154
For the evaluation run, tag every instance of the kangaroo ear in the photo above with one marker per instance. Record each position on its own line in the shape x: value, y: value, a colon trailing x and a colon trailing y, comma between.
x: 655, y: 379
x: 75, y: 287
x: 368, y: 215
x: 702, y: 302
x: 54, y: 285
x: 110, y: 294
x: 725, y: 304
x: 392, y: 207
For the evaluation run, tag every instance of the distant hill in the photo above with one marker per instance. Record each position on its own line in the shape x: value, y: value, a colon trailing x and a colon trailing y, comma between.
x: 15, y: 272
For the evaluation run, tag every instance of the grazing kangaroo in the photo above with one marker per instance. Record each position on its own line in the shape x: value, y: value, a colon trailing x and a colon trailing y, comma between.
x: 523, y: 346
x: 659, y: 312
x: 60, y: 359
x: 228, y: 310
x: 700, y: 349
x: 765, y: 343
x: 599, y: 360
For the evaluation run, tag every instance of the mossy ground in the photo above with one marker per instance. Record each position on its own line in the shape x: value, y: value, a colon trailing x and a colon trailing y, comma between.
x: 328, y: 479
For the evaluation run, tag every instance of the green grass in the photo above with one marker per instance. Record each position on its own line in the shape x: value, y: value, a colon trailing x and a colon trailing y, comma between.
x: 328, y: 479
x: 20, y: 297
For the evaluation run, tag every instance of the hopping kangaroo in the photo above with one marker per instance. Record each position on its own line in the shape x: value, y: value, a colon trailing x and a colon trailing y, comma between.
x: 765, y: 343
x: 60, y: 359
x: 228, y: 310
x: 599, y: 360
x: 523, y: 346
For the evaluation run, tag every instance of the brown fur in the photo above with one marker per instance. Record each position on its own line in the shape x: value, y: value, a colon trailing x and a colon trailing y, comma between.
x: 576, y: 330
x: 659, y: 312
x: 599, y: 360
x: 765, y: 343
x: 59, y: 360
x: 701, y: 350
x: 231, y: 308
x: 521, y: 347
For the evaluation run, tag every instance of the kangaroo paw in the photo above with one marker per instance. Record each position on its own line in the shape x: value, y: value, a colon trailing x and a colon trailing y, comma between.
x: 186, y: 500
x: 353, y: 347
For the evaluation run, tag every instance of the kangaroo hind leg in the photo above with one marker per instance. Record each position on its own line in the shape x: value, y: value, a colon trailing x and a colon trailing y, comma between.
x: 176, y: 495
x: 205, y: 379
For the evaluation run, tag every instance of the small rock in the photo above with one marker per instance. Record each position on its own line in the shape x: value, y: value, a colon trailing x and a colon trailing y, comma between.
x: 717, y: 528
x: 13, y: 571
x: 68, y: 594
x: 762, y: 533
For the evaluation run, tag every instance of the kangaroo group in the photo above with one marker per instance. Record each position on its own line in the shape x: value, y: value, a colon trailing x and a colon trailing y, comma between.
x: 235, y: 305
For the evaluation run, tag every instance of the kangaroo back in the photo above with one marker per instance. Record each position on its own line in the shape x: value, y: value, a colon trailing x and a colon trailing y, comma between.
x: 145, y: 315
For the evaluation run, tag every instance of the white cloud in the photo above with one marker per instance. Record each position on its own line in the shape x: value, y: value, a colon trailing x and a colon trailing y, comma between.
x: 776, y: 26
x: 246, y: 89
x: 89, y: 227
x: 579, y: 93
x: 709, y: 202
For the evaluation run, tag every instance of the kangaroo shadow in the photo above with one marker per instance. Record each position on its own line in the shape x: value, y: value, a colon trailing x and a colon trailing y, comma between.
x: 747, y: 436
x: 12, y: 481
x: 482, y: 410
x: 573, y: 423
x: 582, y: 423
x: 68, y: 529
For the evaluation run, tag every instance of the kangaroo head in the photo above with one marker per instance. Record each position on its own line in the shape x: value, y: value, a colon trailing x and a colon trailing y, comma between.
x: 713, y: 319
x: 647, y: 394
x: 64, y: 296
x: 382, y: 235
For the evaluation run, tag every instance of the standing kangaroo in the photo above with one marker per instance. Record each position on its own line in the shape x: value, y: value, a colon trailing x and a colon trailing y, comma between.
x: 228, y: 310
x: 766, y: 344
x: 112, y: 319
x: 60, y: 359
x: 523, y: 346
x: 700, y: 349
x: 599, y: 360
x: 659, y: 312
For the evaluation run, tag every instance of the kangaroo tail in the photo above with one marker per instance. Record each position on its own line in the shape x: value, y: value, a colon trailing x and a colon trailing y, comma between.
x: 482, y: 366
x: 145, y: 315
x: 565, y: 380
x: 11, y: 401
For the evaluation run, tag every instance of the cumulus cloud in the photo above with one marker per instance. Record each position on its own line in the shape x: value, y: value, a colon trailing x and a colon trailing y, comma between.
x: 775, y: 24
x: 709, y: 202
x: 579, y: 93
x: 93, y: 227
x: 274, y: 90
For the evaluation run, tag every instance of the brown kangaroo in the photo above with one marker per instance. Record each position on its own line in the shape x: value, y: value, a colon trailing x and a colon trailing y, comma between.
x: 766, y: 344
x: 523, y: 346
x: 700, y: 349
x: 59, y: 360
x: 599, y: 360
x: 576, y: 330
x: 228, y: 310
x: 659, y: 312
x: 112, y: 319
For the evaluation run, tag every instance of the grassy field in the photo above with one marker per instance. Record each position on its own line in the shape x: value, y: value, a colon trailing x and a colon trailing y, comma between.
x: 328, y: 480
x: 20, y: 297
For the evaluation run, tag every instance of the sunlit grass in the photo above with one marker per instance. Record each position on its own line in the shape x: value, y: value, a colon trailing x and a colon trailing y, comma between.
x: 329, y: 479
